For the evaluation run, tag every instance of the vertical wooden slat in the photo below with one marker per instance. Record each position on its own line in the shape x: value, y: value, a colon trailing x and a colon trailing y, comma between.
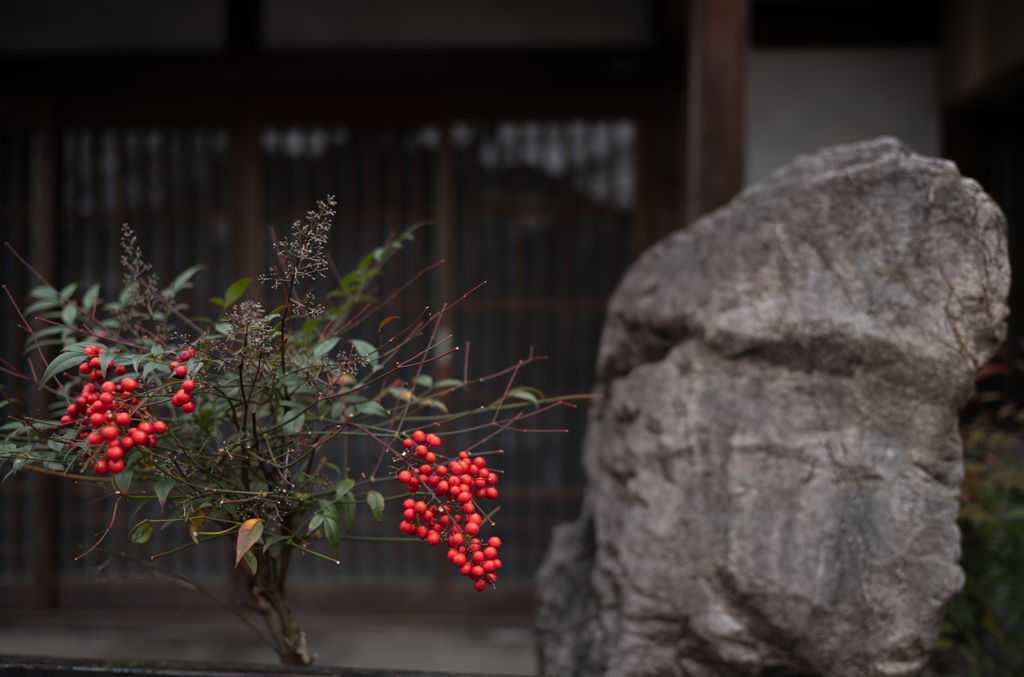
x: 247, y: 225
x: 713, y: 145
x: 43, y: 230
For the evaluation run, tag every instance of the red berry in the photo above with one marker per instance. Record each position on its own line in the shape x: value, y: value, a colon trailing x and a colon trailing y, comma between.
x: 95, y: 438
x: 92, y: 350
x: 123, y: 419
x: 463, y: 455
x: 96, y: 420
x: 408, y: 443
x: 466, y: 568
x: 472, y: 528
x: 433, y: 440
x: 404, y: 476
x: 464, y: 497
x: 468, y: 508
x: 459, y: 560
x: 150, y: 440
x: 129, y: 385
x: 494, y: 542
x: 420, y: 507
x: 180, y: 370
x: 478, y: 557
x: 490, y: 552
x: 188, y: 407
x: 475, y: 519
x: 491, y: 493
x: 480, y: 585
x: 185, y: 356
x: 159, y: 427
x: 408, y: 503
x: 188, y: 386
x: 418, y: 437
x: 127, y: 443
x: 115, y: 453
x: 421, y: 451
x: 479, y: 461
x: 107, y: 399
x: 115, y: 466
x: 95, y: 376
x: 421, y: 532
x: 121, y: 371
x: 146, y: 427
x: 85, y: 368
x: 110, y: 432
x: 476, y: 572
x: 73, y: 410
x: 488, y: 566
x: 66, y: 420
x: 175, y: 401
x: 139, y: 437
x: 433, y: 538
x: 174, y: 364
x: 109, y: 386
x: 100, y: 468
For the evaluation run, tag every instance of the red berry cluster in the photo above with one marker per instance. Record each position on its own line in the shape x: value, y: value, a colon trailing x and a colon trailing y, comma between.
x: 450, y: 513
x: 104, y: 419
x: 92, y: 368
x: 183, y: 398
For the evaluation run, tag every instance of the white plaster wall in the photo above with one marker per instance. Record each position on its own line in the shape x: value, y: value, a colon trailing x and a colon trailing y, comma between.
x: 799, y: 100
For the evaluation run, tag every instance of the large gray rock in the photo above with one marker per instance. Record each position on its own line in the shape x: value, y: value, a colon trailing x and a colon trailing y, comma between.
x: 774, y: 471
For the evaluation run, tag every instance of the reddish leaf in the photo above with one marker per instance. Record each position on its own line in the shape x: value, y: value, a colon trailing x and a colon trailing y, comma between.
x: 248, y: 534
x: 393, y: 317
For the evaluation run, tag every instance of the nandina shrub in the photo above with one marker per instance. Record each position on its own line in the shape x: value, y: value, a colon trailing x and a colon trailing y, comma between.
x: 223, y: 422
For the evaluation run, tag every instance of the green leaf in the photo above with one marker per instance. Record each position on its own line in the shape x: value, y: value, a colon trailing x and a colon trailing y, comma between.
x: 105, y: 359
x: 362, y: 347
x: 273, y: 540
x: 308, y: 327
x: 89, y: 300
x: 236, y: 290
x: 325, y: 347
x: 55, y: 444
x: 69, y: 314
x: 372, y: 409
x: 293, y: 426
x: 123, y: 480
x: 448, y: 383
x: 142, y: 533
x: 149, y: 369
x: 250, y: 559
x: 425, y: 380
x: 332, y: 529
x: 60, y: 364
x: 376, y: 503
x: 162, y: 489
x: 523, y: 394
x: 347, y: 503
x: 248, y: 534
x: 315, y: 523
x: 343, y: 487
x: 69, y: 291
x: 184, y: 278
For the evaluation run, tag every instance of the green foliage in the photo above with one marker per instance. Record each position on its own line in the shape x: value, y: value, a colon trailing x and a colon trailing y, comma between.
x: 984, y: 624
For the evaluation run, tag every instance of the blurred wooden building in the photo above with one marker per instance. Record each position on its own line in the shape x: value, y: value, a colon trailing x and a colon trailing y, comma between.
x: 549, y: 142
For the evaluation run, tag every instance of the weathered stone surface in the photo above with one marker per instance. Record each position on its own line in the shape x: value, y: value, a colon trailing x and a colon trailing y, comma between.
x: 773, y: 473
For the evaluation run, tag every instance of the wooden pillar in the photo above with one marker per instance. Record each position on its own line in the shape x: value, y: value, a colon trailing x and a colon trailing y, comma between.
x: 248, y: 230
x: 43, y: 230
x: 713, y: 147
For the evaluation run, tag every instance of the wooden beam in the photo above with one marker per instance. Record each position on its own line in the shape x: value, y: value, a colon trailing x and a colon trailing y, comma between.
x: 713, y: 146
